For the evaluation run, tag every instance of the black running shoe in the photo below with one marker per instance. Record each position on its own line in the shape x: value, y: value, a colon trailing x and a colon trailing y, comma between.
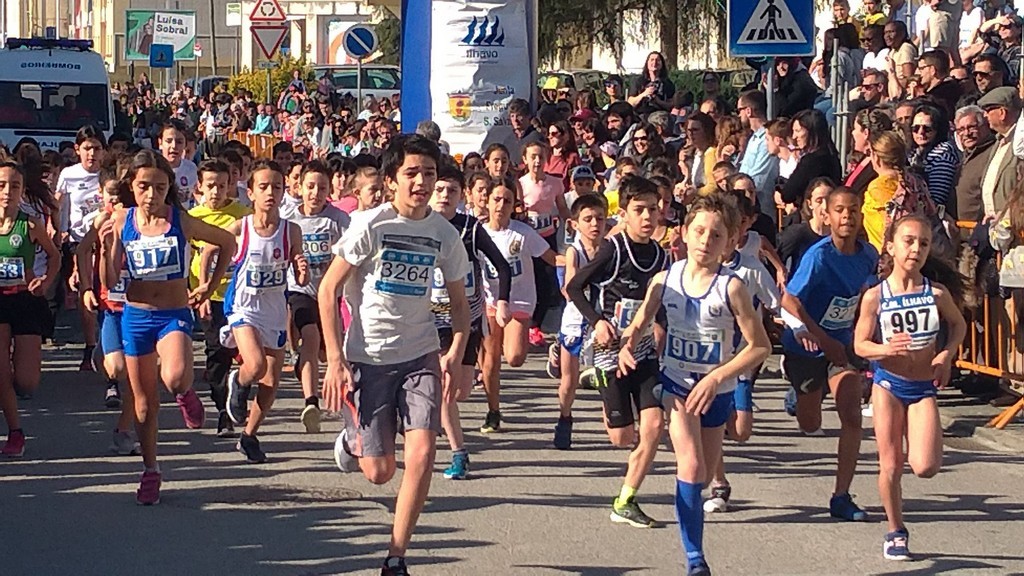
x: 238, y: 399
x: 394, y: 566
x: 225, y: 429
x: 112, y: 398
x: 249, y: 446
x: 492, y: 423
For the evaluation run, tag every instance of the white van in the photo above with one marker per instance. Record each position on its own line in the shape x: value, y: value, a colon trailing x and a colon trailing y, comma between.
x: 51, y: 88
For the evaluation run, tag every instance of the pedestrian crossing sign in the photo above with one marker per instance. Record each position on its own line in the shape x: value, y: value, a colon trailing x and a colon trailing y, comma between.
x: 771, y: 27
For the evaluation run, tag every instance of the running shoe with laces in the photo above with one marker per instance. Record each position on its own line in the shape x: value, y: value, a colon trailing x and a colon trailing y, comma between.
x: 719, y: 500
x: 698, y: 568
x: 630, y: 513
x: 563, y: 433
x: 112, y: 397
x: 343, y: 457
x: 249, y: 446
x: 238, y: 399
x: 588, y: 378
x: 225, y: 429
x: 537, y: 339
x: 492, y: 422
x: 554, y: 367
x: 394, y: 566
x: 148, y: 493
x: 842, y: 506
x: 15, y: 445
x: 459, y: 468
x: 790, y: 402
x: 897, y: 545
x: 125, y: 443
x: 311, y: 418
x: 191, y: 409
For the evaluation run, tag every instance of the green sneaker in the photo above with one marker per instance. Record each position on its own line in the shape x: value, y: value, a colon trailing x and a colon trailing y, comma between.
x: 630, y: 513
x: 492, y: 423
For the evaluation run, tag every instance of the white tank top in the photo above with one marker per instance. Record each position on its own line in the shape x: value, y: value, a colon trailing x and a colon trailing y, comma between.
x: 258, y: 284
x: 572, y: 318
x: 915, y: 313
x: 752, y: 247
x: 702, y: 332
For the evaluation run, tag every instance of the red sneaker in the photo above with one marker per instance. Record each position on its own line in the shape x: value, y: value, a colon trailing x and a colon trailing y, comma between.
x: 15, y: 445
x: 536, y: 337
x: 148, y: 493
x: 191, y: 409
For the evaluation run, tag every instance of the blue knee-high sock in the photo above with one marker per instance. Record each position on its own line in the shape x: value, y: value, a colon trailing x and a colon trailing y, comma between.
x: 690, y: 512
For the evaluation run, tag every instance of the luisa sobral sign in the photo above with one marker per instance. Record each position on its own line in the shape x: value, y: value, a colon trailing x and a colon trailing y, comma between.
x: 480, y: 55
x: 143, y: 28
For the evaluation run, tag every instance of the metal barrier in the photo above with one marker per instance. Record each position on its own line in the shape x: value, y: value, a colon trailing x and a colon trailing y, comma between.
x: 995, y: 353
x: 262, y: 145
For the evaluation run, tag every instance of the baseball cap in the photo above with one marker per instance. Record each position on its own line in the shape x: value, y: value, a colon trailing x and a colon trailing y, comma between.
x: 583, y: 115
x: 1003, y: 96
x: 582, y: 172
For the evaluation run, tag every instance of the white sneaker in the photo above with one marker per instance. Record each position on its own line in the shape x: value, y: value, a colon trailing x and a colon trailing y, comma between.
x: 815, y: 433
x: 712, y: 505
x: 344, y: 459
x: 311, y: 419
x: 867, y: 411
x: 125, y: 444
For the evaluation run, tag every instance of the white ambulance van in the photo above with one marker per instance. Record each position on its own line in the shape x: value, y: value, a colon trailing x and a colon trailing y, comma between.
x: 49, y: 88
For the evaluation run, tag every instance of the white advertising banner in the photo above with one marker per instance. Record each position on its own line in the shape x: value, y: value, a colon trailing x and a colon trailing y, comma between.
x: 481, y: 60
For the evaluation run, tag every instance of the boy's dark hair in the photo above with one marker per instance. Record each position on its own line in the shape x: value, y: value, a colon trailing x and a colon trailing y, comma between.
x: 315, y: 167
x: 65, y: 144
x: 718, y: 204
x: 634, y: 187
x: 213, y: 165
x: 174, y: 124
x: 408, y: 145
x: 90, y: 132
x: 119, y: 137
x: 240, y: 147
x: 449, y: 172
x: 263, y: 165
x: 281, y: 147
x: 472, y: 178
x: 589, y: 201
x: 231, y: 157
x: 364, y: 160
x: 744, y: 206
x: 841, y: 190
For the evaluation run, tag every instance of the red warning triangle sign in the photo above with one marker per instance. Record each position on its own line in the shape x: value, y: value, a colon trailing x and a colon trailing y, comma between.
x: 267, y: 11
x: 269, y: 38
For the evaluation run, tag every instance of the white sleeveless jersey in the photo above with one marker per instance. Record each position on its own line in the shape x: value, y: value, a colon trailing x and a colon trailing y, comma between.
x: 702, y: 333
x: 916, y: 314
x: 256, y: 289
x: 573, y: 323
x: 752, y: 247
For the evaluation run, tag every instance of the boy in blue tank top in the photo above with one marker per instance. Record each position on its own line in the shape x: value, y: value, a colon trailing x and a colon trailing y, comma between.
x: 704, y: 306
x: 824, y: 293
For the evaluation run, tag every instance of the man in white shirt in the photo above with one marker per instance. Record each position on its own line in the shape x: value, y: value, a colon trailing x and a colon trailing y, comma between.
x: 872, y: 40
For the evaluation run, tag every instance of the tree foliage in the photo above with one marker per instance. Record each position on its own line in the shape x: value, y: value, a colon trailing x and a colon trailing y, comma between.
x: 255, y: 81
x: 569, y: 26
x: 389, y: 35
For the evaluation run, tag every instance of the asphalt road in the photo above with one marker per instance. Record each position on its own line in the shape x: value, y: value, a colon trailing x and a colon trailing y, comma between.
x: 68, y: 507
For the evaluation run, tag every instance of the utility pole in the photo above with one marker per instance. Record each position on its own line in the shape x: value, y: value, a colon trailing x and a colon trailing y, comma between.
x: 213, y: 36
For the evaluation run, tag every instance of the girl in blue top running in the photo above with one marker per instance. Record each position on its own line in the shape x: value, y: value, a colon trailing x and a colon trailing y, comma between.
x: 898, y: 331
x: 151, y: 235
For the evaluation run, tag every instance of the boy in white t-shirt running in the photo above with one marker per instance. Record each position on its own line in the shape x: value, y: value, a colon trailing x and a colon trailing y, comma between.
x: 388, y: 374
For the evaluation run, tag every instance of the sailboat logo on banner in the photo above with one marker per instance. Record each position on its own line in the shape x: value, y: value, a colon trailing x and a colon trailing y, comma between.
x: 771, y: 22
